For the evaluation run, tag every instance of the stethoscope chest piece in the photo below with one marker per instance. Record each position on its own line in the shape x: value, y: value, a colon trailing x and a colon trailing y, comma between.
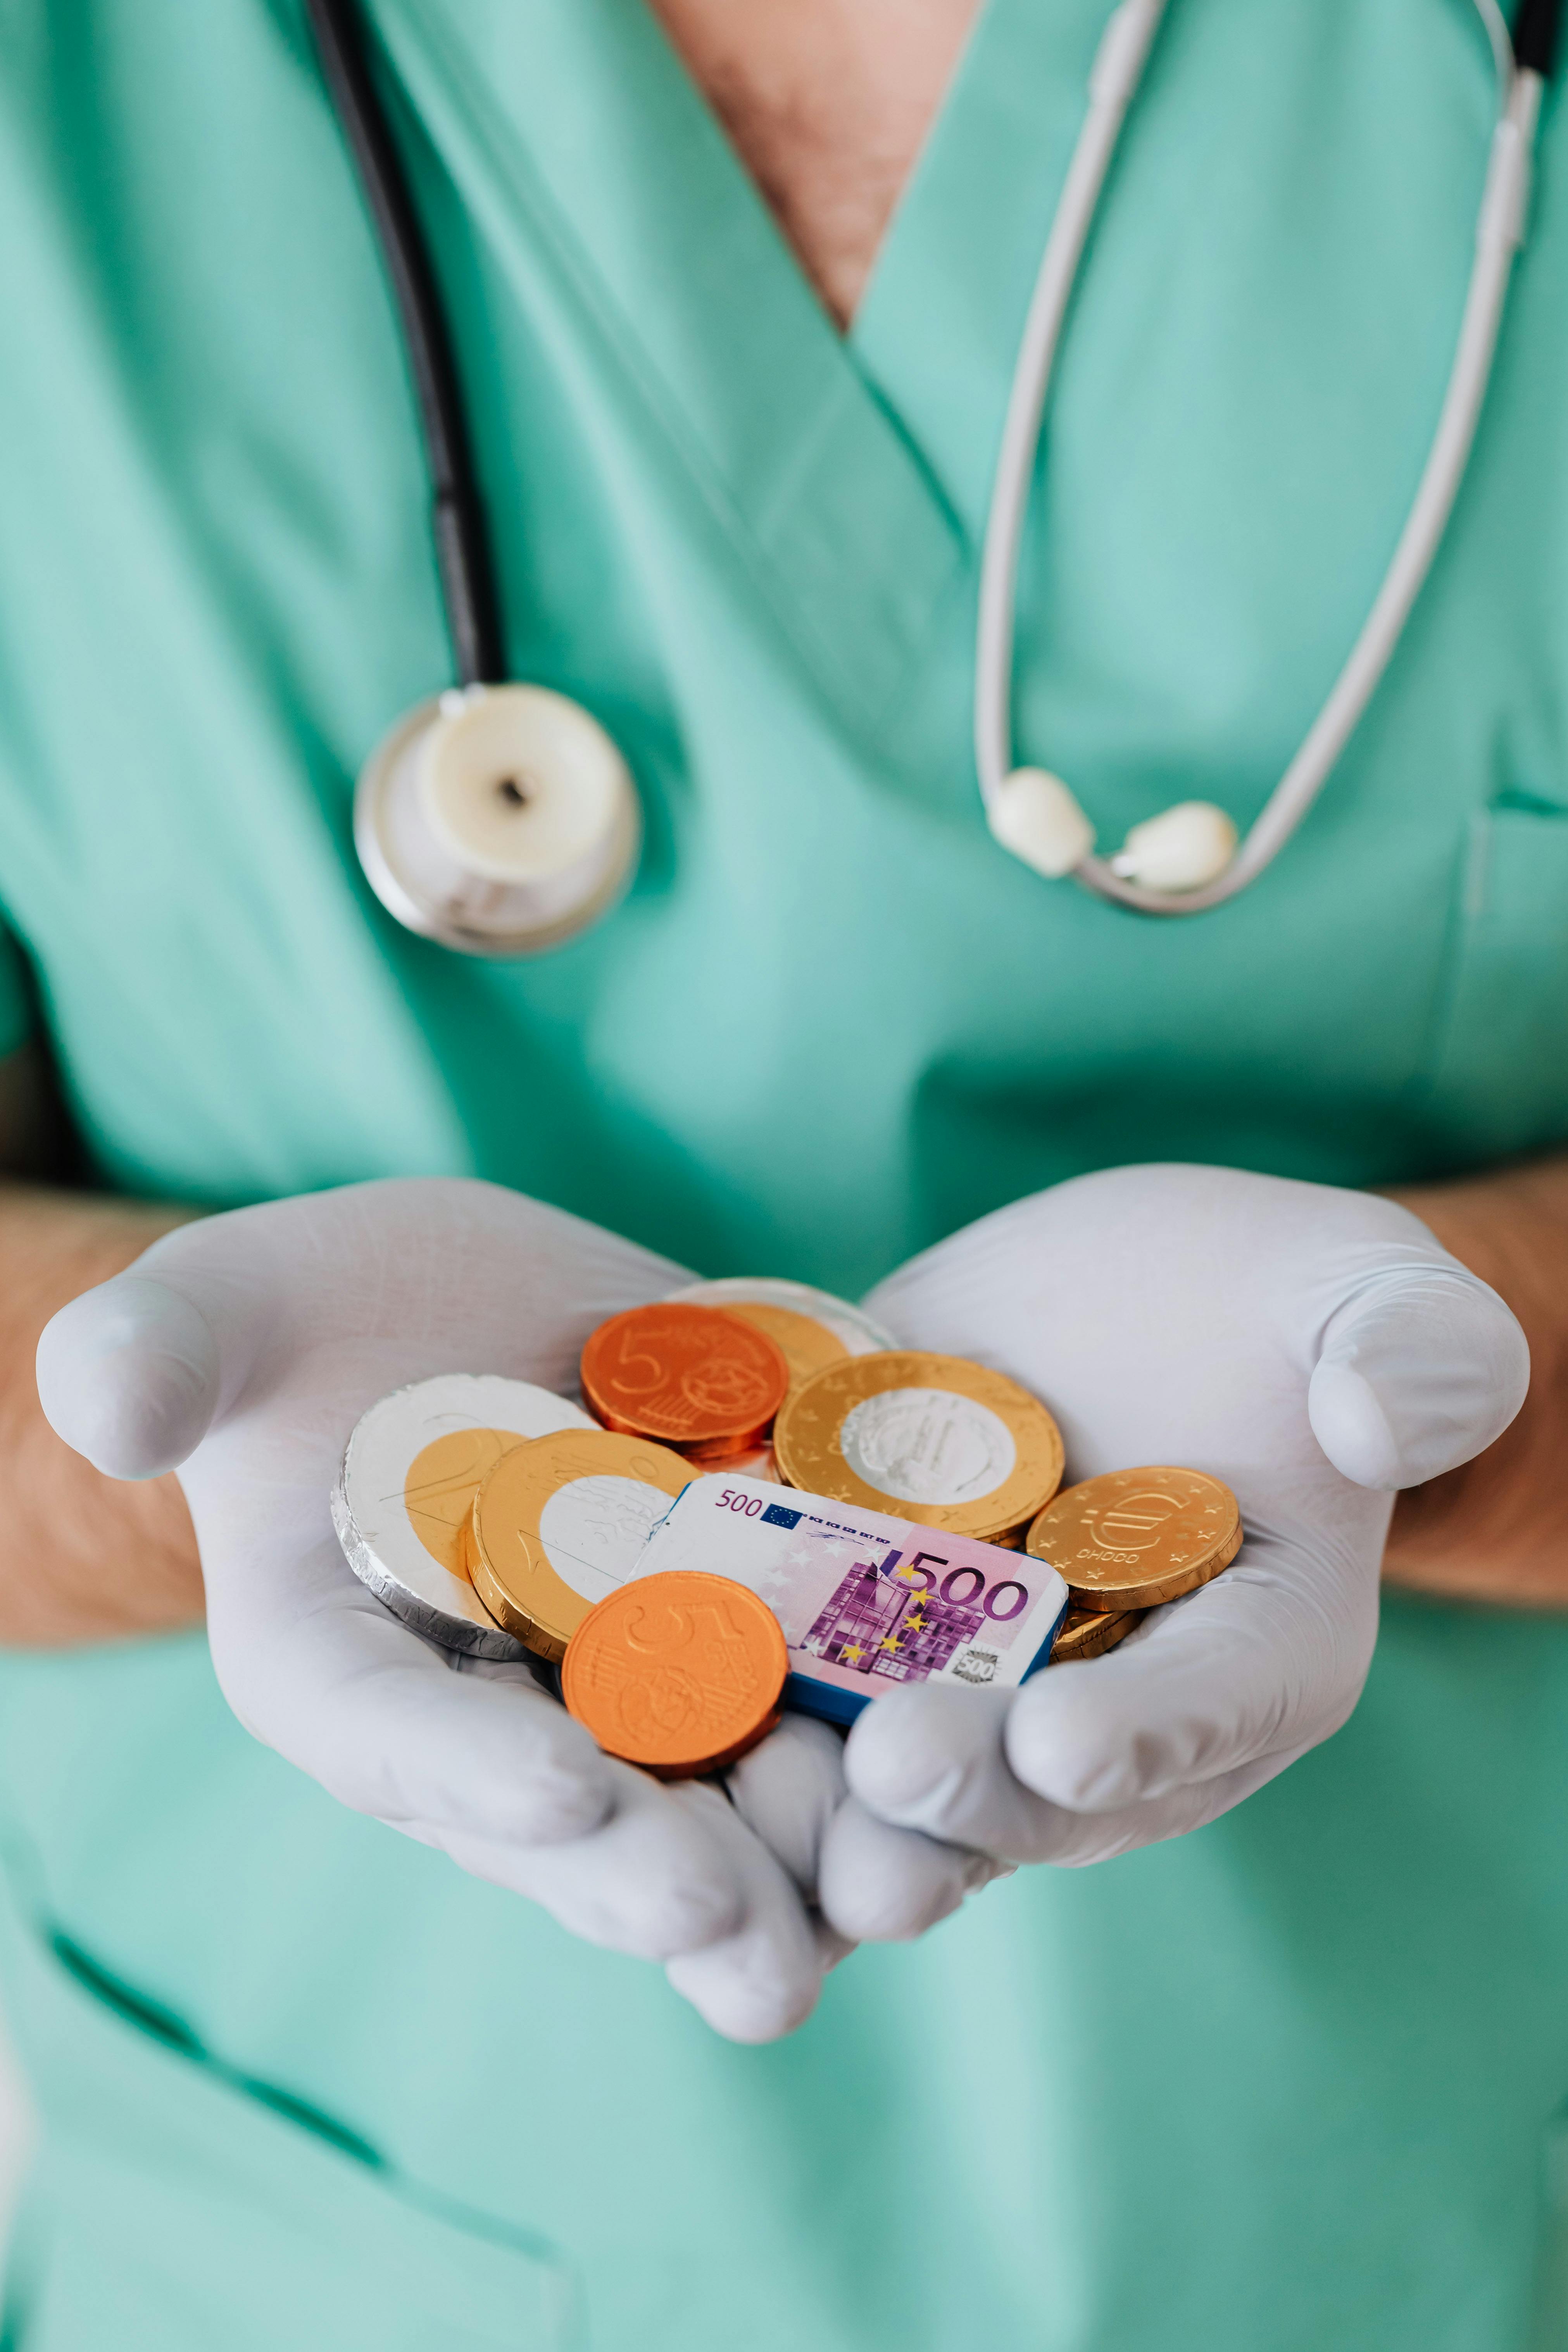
x: 498, y: 820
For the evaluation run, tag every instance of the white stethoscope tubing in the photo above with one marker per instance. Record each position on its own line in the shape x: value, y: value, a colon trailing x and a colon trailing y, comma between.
x: 1117, y: 69
x: 1113, y: 81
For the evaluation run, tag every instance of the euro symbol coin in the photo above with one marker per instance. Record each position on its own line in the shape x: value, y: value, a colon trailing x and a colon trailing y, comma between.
x: 1134, y: 1539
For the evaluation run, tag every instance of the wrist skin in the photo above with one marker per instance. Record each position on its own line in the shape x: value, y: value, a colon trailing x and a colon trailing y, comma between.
x: 1494, y: 1530
x: 86, y: 1558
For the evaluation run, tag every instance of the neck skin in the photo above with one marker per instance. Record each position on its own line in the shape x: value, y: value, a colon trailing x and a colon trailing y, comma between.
x: 826, y: 102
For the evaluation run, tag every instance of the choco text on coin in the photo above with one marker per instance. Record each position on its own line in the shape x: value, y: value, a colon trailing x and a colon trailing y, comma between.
x: 1135, y: 1539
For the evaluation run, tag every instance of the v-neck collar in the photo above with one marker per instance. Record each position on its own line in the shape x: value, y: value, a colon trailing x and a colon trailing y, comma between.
x: 574, y: 132
x: 939, y: 323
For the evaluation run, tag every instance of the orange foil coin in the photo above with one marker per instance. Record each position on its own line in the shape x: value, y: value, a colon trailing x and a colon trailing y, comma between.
x: 688, y: 1376
x: 680, y: 1672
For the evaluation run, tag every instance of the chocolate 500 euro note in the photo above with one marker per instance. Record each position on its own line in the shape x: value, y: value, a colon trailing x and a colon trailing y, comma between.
x: 866, y: 1602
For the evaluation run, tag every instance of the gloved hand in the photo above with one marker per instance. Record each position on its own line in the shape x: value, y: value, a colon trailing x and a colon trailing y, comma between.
x: 240, y: 1350
x: 1317, y: 1349
x: 868, y: 1880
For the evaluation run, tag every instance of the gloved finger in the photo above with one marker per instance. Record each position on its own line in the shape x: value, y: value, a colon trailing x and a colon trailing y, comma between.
x: 879, y: 1883
x: 316, y: 1668
x: 130, y: 1374
x: 931, y: 1758
x: 763, y: 1980
x: 946, y: 1773
x: 788, y: 1788
x: 1418, y: 1371
x: 832, y: 1948
x: 871, y: 1882
x: 657, y: 1879
x: 1078, y: 1840
x: 1270, y: 1657
x: 347, y: 1292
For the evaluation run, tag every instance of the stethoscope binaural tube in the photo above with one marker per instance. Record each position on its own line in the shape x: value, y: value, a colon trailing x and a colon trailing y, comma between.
x: 1188, y: 859
x: 499, y: 819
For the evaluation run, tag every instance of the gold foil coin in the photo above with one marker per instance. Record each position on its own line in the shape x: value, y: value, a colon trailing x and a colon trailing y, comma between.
x: 806, y: 1346
x: 561, y: 1523
x: 855, y: 1332
x: 438, y: 1491
x: 410, y: 1470
x: 1134, y: 1539
x: 944, y: 1441
x: 1089, y: 1633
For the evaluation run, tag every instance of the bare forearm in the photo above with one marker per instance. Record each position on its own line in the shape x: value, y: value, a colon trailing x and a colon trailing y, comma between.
x: 82, y: 1558
x: 1495, y: 1529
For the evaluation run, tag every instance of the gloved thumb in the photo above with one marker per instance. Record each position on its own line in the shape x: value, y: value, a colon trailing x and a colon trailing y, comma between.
x: 129, y: 1376
x: 1418, y: 1372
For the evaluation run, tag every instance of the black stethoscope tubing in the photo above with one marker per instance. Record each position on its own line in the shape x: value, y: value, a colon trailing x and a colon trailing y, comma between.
x: 459, y: 526
x: 457, y: 522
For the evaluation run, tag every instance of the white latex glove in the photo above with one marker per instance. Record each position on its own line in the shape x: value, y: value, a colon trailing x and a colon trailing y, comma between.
x: 870, y: 1881
x: 1315, y: 1349
x: 240, y: 1351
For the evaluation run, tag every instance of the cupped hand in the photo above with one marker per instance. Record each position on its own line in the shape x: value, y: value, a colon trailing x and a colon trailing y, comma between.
x: 1315, y: 1349
x: 239, y: 1352
x: 868, y: 1880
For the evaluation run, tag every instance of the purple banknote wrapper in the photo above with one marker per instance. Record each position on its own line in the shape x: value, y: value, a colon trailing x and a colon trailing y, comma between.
x: 866, y: 1602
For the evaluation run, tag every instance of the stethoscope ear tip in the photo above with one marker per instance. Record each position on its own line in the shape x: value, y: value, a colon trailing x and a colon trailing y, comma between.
x: 1183, y: 848
x: 1033, y: 813
x: 1037, y: 819
x: 1185, y: 861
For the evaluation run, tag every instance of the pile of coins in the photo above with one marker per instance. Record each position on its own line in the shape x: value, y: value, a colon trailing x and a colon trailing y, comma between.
x: 498, y: 1518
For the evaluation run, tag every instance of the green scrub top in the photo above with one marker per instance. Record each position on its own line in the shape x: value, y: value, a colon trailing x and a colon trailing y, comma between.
x: 1291, y: 2083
